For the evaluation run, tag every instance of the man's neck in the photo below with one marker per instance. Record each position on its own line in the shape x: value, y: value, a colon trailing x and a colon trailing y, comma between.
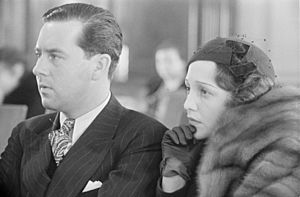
x: 92, y: 104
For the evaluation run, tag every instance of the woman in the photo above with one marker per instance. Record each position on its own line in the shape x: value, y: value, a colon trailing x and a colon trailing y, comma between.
x: 244, y: 132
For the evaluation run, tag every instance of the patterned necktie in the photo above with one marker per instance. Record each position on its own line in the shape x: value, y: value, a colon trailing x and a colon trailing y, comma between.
x: 61, y: 141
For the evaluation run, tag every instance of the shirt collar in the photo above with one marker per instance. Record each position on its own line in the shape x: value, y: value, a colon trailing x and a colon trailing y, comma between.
x: 83, y: 121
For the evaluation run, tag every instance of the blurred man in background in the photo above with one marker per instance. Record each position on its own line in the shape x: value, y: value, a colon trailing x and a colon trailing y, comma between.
x: 17, y: 85
x: 166, y: 94
x: 26, y: 93
x: 12, y: 68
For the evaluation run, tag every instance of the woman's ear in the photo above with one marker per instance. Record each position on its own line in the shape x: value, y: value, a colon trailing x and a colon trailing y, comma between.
x: 102, y: 63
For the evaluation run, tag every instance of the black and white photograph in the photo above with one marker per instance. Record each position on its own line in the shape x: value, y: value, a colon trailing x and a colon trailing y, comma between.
x: 149, y: 98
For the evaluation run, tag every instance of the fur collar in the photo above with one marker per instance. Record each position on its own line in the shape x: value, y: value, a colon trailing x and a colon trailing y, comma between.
x: 243, y: 132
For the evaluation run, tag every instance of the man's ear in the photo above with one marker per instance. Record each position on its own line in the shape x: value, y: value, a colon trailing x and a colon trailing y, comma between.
x: 102, y: 64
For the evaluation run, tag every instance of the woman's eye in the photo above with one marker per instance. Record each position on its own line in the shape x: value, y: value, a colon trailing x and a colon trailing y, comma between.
x: 203, y: 91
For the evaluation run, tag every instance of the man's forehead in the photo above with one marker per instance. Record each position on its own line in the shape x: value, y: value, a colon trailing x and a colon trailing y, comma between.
x: 54, y: 35
x: 60, y: 29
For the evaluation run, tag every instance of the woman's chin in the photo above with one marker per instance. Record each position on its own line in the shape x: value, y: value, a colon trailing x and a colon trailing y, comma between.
x: 201, y: 133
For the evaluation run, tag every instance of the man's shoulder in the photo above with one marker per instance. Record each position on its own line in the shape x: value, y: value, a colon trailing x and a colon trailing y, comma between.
x: 135, y: 123
x: 138, y: 118
x: 136, y: 126
x: 39, y: 122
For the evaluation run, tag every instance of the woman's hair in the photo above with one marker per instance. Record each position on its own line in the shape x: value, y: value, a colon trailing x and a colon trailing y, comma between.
x: 242, y: 68
x: 244, y: 92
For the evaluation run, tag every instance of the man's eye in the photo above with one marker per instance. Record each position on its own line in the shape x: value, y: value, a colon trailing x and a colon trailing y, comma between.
x: 187, y: 89
x: 53, y: 56
x: 37, y: 53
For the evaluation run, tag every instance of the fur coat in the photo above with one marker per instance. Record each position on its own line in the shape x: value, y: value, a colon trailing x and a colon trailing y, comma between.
x: 255, y: 151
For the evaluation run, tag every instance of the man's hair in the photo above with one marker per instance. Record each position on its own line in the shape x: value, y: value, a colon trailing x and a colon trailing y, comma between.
x: 11, y: 56
x: 101, y: 33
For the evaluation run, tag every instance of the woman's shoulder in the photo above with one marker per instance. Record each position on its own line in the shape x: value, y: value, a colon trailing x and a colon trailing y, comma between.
x: 280, y: 106
x: 251, y: 128
x: 274, y: 168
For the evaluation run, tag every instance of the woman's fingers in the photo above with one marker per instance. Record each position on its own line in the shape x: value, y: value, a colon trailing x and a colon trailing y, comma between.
x: 180, y: 134
x: 173, y: 136
x: 188, y: 131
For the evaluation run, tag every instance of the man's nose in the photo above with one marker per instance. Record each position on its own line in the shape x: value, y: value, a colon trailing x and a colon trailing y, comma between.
x: 40, y: 67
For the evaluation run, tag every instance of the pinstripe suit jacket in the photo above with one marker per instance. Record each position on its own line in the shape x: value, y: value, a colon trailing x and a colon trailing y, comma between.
x: 121, y: 148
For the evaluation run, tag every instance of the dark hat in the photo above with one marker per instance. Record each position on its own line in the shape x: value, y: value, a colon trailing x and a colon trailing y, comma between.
x: 240, y: 57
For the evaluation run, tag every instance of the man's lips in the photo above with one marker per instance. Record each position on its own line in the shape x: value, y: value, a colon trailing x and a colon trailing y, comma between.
x: 43, y: 87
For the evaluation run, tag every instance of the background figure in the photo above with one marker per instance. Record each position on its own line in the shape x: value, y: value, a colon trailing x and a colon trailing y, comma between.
x: 27, y: 93
x: 12, y: 68
x: 17, y: 85
x: 90, y: 145
x: 166, y: 93
x: 243, y: 137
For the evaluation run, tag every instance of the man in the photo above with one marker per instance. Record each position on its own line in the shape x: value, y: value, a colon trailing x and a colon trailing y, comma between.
x: 167, y: 94
x: 109, y: 150
x: 12, y: 68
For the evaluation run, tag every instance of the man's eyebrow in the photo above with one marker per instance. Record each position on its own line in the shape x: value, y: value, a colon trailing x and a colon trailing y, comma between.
x: 54, y: 50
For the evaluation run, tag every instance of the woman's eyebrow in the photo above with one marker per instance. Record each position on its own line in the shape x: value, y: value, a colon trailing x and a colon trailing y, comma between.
x: 205, y: 84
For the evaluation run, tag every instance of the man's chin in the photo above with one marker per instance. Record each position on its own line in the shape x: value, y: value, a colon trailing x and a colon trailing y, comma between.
x: 48, y: 105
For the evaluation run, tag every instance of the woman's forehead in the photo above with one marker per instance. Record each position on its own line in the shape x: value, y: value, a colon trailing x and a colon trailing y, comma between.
x: 203, y: 72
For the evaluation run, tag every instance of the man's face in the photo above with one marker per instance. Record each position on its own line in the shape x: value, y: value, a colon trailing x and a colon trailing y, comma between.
x: 169, y: 64
x: 62, y: 70
x: 205, y: 101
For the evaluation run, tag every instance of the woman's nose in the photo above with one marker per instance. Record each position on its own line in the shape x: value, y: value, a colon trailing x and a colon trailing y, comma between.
x: 189, y: 103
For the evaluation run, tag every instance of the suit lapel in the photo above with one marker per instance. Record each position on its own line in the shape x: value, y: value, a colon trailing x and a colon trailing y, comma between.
x: 87, y: 153
x: 37, y: 158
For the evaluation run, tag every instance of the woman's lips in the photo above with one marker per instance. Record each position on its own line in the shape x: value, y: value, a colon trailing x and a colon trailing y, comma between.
x: 192, y: 120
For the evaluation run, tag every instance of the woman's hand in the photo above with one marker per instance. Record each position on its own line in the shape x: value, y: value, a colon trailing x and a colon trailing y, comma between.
x: 180, y: 151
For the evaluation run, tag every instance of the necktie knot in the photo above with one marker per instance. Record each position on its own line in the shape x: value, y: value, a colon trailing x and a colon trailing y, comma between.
x: 68, y: 126
x: 61, y: 141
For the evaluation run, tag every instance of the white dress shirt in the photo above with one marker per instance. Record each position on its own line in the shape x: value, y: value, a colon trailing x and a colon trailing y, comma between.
x: 84, y: 121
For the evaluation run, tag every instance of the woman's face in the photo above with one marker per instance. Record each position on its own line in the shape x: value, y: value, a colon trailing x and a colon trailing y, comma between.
x: 205, y: 100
